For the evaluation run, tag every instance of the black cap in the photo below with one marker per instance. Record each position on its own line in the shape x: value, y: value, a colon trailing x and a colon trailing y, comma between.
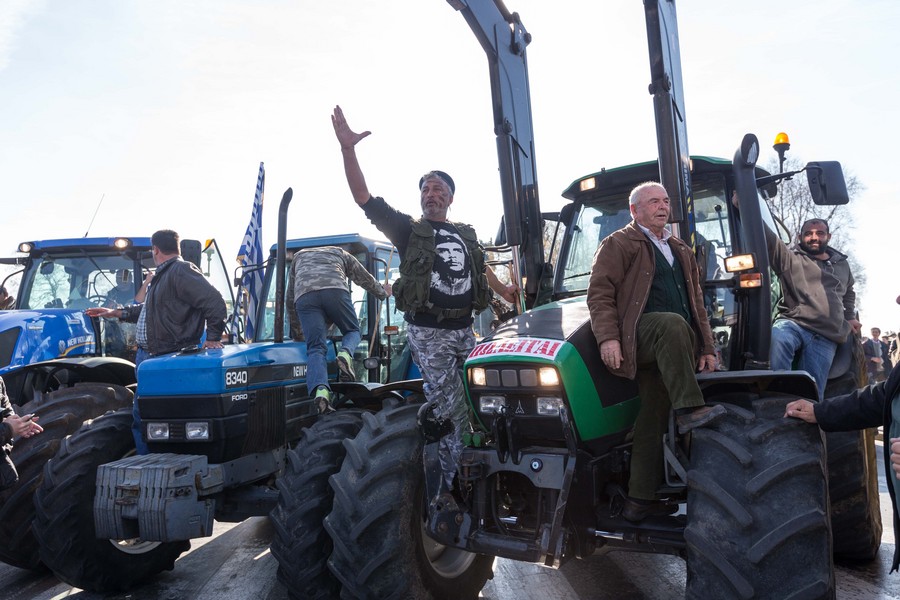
x: 441, y: 175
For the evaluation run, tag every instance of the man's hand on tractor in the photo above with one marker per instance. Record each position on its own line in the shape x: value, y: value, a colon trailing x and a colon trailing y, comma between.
x: 106, y: 313
x: 801, y: 409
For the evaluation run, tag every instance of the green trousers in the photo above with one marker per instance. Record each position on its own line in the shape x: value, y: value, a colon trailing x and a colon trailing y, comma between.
x: 666, y: 367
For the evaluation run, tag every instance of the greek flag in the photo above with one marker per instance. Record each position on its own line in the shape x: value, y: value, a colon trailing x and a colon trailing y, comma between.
x: 251, y: 257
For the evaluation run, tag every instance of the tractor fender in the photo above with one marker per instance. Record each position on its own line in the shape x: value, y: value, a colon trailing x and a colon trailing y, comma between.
x: 798, y: 383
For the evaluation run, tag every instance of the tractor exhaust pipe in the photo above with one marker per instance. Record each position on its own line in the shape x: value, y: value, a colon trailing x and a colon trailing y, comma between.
x: 280, y: 255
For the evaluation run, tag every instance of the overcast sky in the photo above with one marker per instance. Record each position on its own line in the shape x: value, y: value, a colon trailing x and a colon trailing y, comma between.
x: 165, y: 108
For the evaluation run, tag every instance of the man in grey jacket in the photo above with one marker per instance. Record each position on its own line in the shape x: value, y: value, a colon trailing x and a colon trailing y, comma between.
x: 817, y: 310
x: 321, y: 295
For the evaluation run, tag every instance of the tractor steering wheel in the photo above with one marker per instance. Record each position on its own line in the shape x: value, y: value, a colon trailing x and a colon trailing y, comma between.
x: 97, y: 299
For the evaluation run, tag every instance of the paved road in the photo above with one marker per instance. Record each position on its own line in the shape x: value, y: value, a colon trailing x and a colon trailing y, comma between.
x: 235, y: 564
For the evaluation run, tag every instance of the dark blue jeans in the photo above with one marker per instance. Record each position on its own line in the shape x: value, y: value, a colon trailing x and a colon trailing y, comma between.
x: 315, y: 309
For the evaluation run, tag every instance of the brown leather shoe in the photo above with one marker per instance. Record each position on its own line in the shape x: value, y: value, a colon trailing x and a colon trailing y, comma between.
x: 699, y: 417
x: 636, y: 510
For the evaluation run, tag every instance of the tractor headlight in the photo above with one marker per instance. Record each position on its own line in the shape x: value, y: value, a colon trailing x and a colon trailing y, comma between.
x: 196, y: 431
x: 494, y: 377
x: 157, y: 431
x: 549, y: 406
x: 549, y: 376
x: 491, y: 404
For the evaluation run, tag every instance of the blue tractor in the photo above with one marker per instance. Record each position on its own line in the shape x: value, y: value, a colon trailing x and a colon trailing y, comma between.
x: 46, y: 340
x: 219, y: 425
x: 63, y: 366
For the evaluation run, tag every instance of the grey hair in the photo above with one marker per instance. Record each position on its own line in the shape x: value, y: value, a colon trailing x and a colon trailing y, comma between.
x: 633, y: 196
x: 440, y: 176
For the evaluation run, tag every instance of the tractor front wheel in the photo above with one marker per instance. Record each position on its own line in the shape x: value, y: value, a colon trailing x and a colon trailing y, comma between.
x: 61, y: 414
x: 301, y: 545
x: 377, y: 522
x: 758, y: 514
x: 64, y: 523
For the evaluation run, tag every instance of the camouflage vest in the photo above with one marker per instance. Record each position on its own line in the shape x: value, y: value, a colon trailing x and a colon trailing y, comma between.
x: 411, y: 290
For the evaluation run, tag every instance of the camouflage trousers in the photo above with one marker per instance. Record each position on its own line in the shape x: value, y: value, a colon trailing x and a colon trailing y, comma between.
x: 439, y: 354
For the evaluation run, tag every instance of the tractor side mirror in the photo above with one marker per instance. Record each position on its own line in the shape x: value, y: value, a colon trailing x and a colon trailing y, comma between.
x: 826, y: 183
x: 191, y: 252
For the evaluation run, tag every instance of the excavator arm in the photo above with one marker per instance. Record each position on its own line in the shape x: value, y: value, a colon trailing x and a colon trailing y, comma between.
x: 504, y: 40
x: 668, y: 108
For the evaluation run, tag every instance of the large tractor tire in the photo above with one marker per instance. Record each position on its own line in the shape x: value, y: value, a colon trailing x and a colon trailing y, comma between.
x: 378, y: 517
x: 64, y: 523
x: 61, y: 414
x: 853, y: 474
x: 301, y: 544
x: 758, y: 515
x: 855, y: 502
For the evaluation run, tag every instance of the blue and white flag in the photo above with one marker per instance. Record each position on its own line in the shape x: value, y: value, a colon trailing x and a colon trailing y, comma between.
x: 251, y: 257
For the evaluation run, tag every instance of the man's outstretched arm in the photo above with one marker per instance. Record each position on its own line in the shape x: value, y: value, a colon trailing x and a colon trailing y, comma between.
x: 348, y: 140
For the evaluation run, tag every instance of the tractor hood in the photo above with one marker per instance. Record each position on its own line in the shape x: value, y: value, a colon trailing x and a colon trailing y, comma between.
x: 237, y: 367
x: 557, y: 334
x: 30, y: 336
x: 566, y: 320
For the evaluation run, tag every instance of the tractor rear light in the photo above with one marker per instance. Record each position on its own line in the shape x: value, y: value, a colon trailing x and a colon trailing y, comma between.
x: 157, y: 431
x: 196, y: 431
x: 740, y: 262
x: 750, y: 280
x: 491, y: 404
x: 549, y: 406
x: 122, y: 243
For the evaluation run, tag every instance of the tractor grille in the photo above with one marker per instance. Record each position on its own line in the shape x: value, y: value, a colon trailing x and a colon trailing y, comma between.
x: 265, y: 420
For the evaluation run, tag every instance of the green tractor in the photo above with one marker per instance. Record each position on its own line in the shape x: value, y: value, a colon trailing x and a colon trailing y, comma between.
x: 766, y: 503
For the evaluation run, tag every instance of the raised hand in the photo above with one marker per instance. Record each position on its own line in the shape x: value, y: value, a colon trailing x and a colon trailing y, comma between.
x: 347, y: 137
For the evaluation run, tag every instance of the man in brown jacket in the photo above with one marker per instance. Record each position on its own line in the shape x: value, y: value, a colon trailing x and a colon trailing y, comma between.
x: 647, y: 314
